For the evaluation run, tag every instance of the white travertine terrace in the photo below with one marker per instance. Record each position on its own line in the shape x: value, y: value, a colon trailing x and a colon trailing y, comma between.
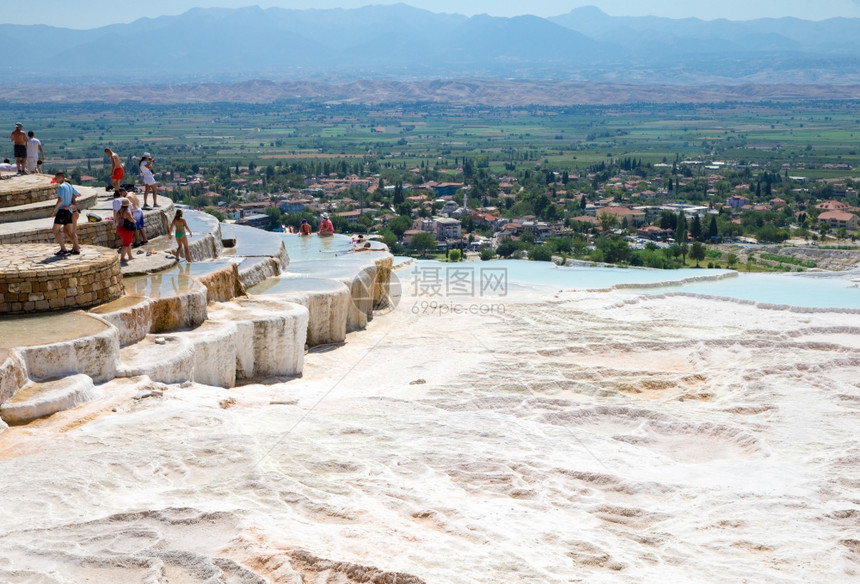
x: 328, y: 303
x: 189, y: 324
x: 565, y: 435
x: 38, y: 399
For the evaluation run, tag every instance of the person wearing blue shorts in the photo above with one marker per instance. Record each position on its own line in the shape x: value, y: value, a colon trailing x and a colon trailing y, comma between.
x: 136, y: 212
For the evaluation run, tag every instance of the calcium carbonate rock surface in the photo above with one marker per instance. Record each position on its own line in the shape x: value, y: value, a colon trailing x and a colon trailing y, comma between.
x: 39, y: 399
x: 166, y: 358
x: 270, y: 335
x: 13, y: 373
x: 95, y: 355
x: 327, y: 301
x: 131, y: 316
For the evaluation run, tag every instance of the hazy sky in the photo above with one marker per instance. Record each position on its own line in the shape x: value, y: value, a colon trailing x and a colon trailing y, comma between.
x: 95, y: 13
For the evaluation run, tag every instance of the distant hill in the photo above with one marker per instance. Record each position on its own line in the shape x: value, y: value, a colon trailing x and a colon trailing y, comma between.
x: 460, y: 92
x: 401, y: 43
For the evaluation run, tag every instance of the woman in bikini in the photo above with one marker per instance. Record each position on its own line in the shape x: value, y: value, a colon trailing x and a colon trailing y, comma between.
x: 305, y: 227
x: 183, y: 232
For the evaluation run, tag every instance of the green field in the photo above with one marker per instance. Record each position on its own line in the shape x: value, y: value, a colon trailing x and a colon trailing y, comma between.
x: 811, y: 137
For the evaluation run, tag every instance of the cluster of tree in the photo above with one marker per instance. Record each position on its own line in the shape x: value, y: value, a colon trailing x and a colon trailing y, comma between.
x: 610, y: 248
x: 545, y: 192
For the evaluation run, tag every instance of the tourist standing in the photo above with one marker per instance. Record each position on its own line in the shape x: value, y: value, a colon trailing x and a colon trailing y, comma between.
x: 326, y: 227
x: 137, y: 213
x: 119, y: 196
x: 116, y: 169
x: 149, y: 183
x: 183, y: 232
x: 126, y: 229
x: 19, y: 139
x: 35, y: 154
x: 65, y: 215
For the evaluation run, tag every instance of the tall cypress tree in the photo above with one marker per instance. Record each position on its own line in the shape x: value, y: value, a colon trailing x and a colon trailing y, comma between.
x: 681, y: 228
x: 696, y: 228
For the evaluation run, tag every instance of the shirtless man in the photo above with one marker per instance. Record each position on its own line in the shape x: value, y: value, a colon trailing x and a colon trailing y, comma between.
x: 19, y: 139
x: 116, y: 171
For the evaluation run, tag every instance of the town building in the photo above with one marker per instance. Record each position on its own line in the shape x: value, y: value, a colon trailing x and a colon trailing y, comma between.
x: 447, y: 229
x: 839, y: 220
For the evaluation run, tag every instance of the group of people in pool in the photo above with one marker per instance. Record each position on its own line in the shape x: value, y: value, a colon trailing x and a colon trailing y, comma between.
x: 361, y: 243
x: 326, y: 228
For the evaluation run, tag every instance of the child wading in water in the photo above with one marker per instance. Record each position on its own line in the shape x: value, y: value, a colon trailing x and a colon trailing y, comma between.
x: 183, y: 232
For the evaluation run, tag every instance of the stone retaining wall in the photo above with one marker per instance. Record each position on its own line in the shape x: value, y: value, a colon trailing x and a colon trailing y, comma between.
x: 33, y: 279
x: 24, y: 195
x: 101, y: 233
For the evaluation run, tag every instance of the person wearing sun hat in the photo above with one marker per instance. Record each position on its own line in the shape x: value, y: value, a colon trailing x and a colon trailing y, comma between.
x: 304, y: 227
x: 326, y: 228
x: 125, y: 234
x: 149, y: 183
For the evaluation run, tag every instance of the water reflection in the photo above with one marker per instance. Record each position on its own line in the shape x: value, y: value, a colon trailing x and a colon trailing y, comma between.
x: 292, y: 285
x: 30, y: 330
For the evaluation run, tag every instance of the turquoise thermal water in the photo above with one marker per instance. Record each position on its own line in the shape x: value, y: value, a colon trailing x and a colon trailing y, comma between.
x: 310, y: 254
x: 802, y: 290
x: 787, y: 289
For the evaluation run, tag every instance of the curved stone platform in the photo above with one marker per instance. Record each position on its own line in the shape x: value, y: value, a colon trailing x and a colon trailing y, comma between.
x: 253, y: 271
x: 24, y: 189
x: 269, y: 338
x: 103, y: 232
x: 131, y: 315
x: 33, y: 279
x: 222, y: 283
x: 42, y: 209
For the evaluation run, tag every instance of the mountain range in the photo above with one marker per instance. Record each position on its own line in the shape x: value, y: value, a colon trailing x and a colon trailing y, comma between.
x: 399, y: 43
